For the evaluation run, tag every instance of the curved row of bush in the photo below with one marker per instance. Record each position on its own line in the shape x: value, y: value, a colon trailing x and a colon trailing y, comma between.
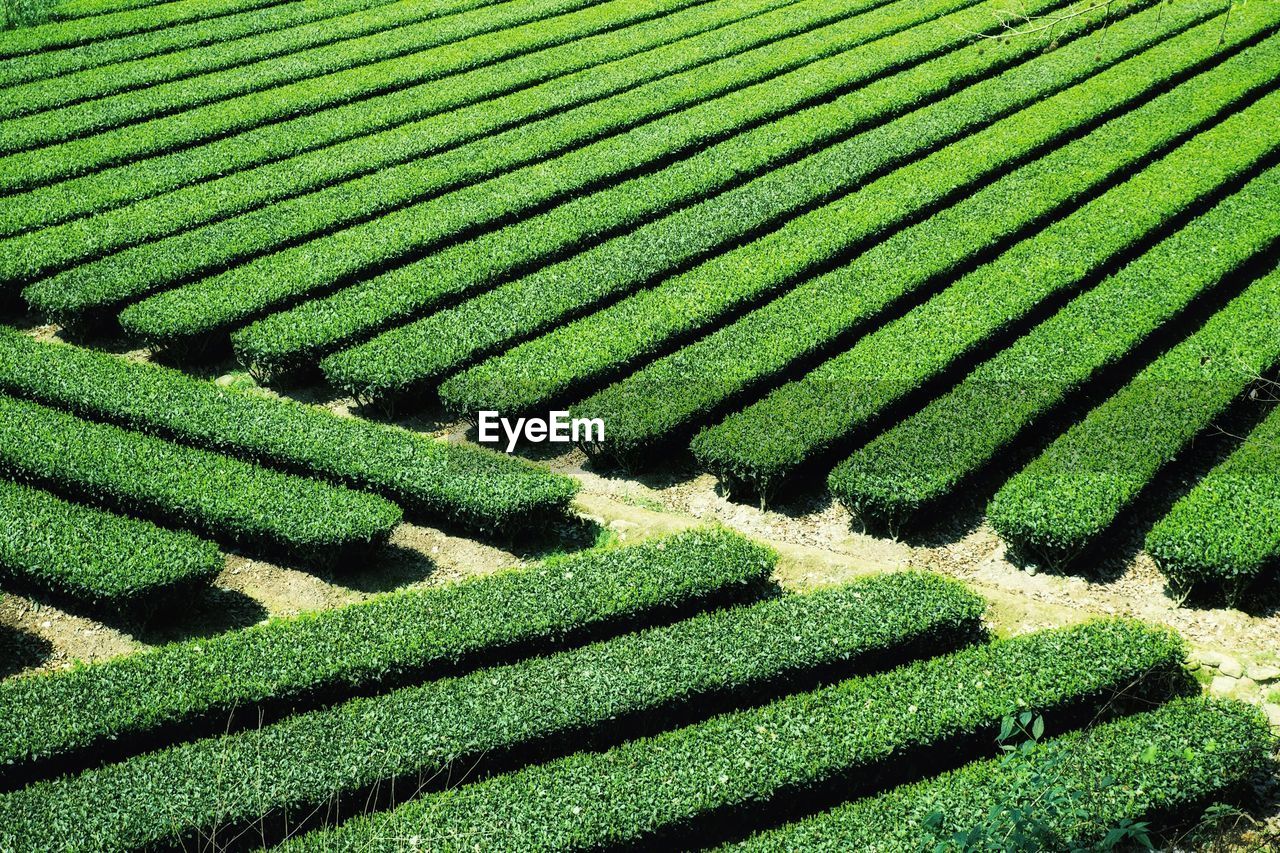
x: 422, y: 351
x: 104, y: 562
x: 214, y: 304
x: 1226, y: 531
x: 803, y: 421
x: 212, y: 494
x: 459, y: 109
x: 95, y: 27
x: 66, y: 10
x: 159, y: 135
x: 667, y: 398
x: 927, y: 456
x: 1066, y: 497
x: 476, y: 488
x: 40, y: 66
x: 572, y: 357
x: 396, y: 166
x: 1156, y: 765
x: 437, y: 47
x: 274, y: 43
x: 423, y: 735
x: 737, y: 770
x: 100, y: 710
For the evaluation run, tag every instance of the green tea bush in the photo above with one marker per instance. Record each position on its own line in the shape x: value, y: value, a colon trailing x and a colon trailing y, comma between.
x: 1152, y: 765
x: 426, y: 350
x: 105, y: 563
x: 196, y: 67
x: 223, y: 300
x: 230, y: 500
x: 740, y: 769
x: 574, y: 356
x: 72, y: 156
x: 805, y: 420
x: 928, y: 455
x: 1226, y: 531
x: 669, y: 397
x: 1064, y: 499
x: 203, y: 686
x: 231, y: 175
x: 424, y: 735
x: 475, y: 488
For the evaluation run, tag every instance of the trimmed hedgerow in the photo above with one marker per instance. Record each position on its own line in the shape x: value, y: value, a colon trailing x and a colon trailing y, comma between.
x: 426, y: 350
x: 294, y: 53
x: 739, y: 769
x: 803, y: 421
x: 423, y: 735
x: 104, y: 562
x: 572, y: 357
x: 52, y: 124
x: 667, y: 398
x: 500, y: 96
x: 401, y: 173
x: 473, y: 487
x: 40, y: 66
x: 1070, y: 494
x: 1226, y: 531
x: 230, y: 500
x: 69, y: 33
x: 226, y: 299
x: 1158, y: 764
x: 928, y: 455
x: 394, y: 639
x: 76, y: 156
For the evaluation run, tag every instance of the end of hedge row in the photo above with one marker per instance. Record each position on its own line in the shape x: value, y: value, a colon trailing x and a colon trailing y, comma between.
x: 99, y: 711
x: 473, y: 487
x: 1148, y: 767
x: 96, y: 560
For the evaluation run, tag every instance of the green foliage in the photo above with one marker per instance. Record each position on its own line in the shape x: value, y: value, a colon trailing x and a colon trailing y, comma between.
x: 605, y: 343
x: 105, y: 562
x: 668, y: 397
x: 91, y: 26
x: 230, y: 500
x: 75, y: 156
x: 395, y: 127
x: 925, y: 457
x: 222, y: 301
x: 731, y: 767
x: 1072, y: 492
x: 478, y: 489
x: 194, y: 687
x: 766, y: 443
x: 425, y: 351
x: 1226, y: 531
x: 197, y: 67
x: 45, y: 64
x: 1090, y: 790
x: 443, y: 728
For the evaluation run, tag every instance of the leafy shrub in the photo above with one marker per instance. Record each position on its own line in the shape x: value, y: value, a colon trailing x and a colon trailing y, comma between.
x: 1065, y: 498
x: 740, y: 769
x: 925, y: 457
x: 424, y: 735
x: 233, y: 501
x: 199, y: 686
x: 478, y: 489
x: 102, y: 561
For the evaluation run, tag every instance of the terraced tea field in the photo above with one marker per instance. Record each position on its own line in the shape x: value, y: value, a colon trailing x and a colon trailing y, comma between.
x: 933, y: 346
